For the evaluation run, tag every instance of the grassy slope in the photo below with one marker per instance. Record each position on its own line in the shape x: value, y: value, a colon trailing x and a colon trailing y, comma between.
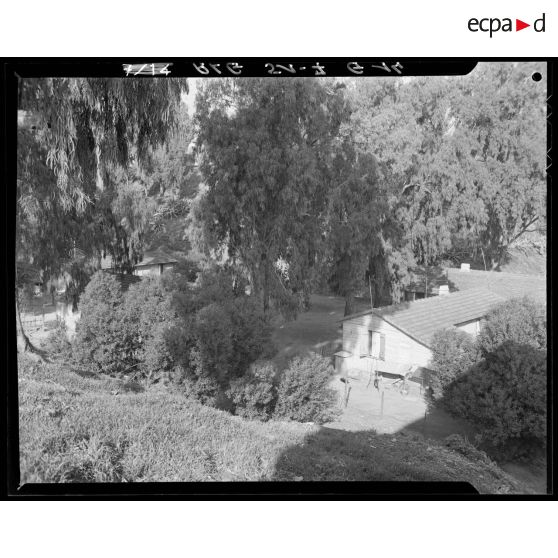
x: 82, y: 429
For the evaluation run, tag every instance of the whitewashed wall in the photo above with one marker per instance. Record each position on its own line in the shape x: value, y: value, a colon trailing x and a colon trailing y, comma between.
x: 400, y: 349
x: 472, y: 327
x: 147, y: 270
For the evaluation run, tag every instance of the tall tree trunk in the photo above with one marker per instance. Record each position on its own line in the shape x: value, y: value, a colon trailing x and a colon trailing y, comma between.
x: 23, y: 342
x: 349, y: 303
x: 265, y: 288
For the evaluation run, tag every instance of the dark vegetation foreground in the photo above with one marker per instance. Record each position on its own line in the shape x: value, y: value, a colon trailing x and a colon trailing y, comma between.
x: 90, y: 429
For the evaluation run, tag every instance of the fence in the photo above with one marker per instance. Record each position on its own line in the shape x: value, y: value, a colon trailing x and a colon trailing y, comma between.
x: 38, y: 316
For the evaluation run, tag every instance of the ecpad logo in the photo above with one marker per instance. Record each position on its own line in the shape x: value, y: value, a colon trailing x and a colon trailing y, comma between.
x: 494, y: 24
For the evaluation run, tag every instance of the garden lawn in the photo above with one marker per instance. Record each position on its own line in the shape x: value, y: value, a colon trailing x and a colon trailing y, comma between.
x: 318, y: 330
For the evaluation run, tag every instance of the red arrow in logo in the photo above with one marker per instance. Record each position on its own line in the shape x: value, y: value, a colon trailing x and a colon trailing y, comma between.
x: 519, y: 25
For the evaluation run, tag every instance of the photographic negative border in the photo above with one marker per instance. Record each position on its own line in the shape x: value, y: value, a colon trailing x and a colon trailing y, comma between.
x: 13, y: 68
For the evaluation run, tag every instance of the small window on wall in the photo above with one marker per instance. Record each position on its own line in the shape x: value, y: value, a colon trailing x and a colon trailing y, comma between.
x: 377, y: 345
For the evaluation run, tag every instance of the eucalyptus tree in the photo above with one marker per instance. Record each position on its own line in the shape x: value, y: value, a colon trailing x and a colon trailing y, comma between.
x: 500, y: 135
x: 74, y: 135
x: 265, y: 155
x: 463, y: 157
x: 357, y: 211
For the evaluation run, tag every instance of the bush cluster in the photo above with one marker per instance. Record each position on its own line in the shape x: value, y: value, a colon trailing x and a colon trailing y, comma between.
x: 122, y: 334
x: 304, y: 394
x: 254, y: 396
x: 301, y: 392
x: 453, y: 353
x: 57, y: 341
x: 504, y: 394
x: 520, y: 320
x: 202, y: 336
x: 210, y: 339
x: 497, y: 381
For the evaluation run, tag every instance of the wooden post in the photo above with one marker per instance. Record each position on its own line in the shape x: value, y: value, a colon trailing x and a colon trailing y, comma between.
x: 382, y: 405
x: 370, y: 368
x: 348, y: 393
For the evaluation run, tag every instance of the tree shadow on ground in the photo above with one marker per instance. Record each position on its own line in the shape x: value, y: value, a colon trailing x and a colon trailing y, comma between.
x: 338, y: 455
x: 503, y: 392
x: 420, y: 451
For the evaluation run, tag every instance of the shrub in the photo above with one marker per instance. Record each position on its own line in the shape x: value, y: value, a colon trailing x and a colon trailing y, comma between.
x: 188, y: 269
x: 251, y: 333
x: 520, y: 320
x: 220, y: 285
x: 120, y: 334
x: 99, y: 342
x: 213, y: 334
x: 158, y: 359
x: 163, y: 328
x: 146, y: 314
x: 254, y: 396
x: 57, y: 341
x: 504, y: 394
x: 229, y: 337
x: 204, y: 389
x: 453, y: 354
x: 304, y: 394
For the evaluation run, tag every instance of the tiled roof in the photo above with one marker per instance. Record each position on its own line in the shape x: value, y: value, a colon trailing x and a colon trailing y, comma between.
x: 149, y: 258
x: 421, y: 318
x: 507, y: 285
x: 156, y: 257
x: 417, y: 283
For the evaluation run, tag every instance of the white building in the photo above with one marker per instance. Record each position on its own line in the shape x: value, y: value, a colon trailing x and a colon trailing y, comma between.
x: 400, y: 335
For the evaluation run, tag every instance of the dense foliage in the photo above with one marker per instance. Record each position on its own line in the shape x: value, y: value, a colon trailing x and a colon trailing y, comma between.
x: 304, y: 392
x: 520, y: 320
x: 505, y: 395
x: 99, y: 342
x: 264, y: 149
x: 462, y: 162
x: 254, y: 396
x: 203, y: 336
x: 453, y: 353
x: 82, y: 143
x: 499, y: 380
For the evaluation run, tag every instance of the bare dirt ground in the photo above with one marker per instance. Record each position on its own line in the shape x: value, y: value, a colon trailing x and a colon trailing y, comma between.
x: 397, y: 412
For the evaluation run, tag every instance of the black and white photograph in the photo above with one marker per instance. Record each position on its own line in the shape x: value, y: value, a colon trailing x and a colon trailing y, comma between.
x: 288, y: 279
